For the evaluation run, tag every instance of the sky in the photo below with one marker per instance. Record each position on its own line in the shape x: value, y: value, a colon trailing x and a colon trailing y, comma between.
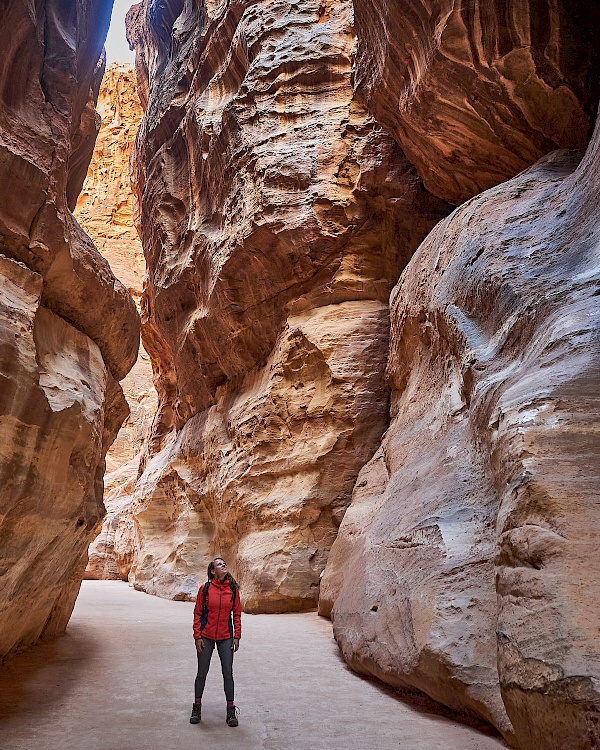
x: 117, y: 48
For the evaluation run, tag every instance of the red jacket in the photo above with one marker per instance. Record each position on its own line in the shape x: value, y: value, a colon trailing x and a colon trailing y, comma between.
x: 222, y: 618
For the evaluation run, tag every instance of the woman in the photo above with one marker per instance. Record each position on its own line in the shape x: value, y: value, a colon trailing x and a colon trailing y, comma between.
x: 217, y: 620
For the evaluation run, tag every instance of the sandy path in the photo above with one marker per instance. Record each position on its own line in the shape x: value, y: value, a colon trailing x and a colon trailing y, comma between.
x: 122, y: 679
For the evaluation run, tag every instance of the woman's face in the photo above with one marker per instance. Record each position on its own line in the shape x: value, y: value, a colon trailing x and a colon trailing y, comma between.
x: 220, y: 567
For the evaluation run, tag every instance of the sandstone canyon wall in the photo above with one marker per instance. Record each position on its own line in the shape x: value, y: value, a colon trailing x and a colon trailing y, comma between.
x: 104, y: 211
x: 61, y: 357
x: 275, y: 216
x: 465, y: 565
x: 285, y: 173
x: 477, y: 90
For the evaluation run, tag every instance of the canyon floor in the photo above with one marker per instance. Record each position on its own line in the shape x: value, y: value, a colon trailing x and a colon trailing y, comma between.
x: 122, y: 677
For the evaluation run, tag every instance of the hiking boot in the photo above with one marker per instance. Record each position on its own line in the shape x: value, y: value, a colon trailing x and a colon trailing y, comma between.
x: 232, y: 714
x: 196, y: 713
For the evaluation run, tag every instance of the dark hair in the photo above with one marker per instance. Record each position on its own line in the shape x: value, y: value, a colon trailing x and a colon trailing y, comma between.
x: 211, y: 574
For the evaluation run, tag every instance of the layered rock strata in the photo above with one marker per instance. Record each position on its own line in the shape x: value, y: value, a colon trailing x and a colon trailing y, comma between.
x: 477, y: 90
x: 104, y: 211
x: 464, y: 566
x: 60, y: 357
x: 276, y: 208
x: 275, y: 217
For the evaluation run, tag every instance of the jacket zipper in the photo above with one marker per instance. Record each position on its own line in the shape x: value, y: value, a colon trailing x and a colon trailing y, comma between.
x: 219, y: 612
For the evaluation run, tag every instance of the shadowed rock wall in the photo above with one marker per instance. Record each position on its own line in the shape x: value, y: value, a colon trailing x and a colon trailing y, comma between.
x: 464, y: 565
x: 275, y: 217
x: 104, y: 211
x: 61, y: 356
x: 477, y: 90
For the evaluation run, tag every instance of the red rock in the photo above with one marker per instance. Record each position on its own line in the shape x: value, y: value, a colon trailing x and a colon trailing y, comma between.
x: 477, y: 91
x: 275, y: 217
x: 104, y: 211
x: 68, y: 329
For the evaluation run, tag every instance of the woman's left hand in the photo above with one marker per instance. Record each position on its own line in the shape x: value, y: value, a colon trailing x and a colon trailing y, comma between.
x: 236, y: 644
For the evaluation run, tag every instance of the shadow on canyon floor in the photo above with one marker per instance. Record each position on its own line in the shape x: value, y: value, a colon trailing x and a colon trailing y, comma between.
x: 419, y: 702
x: 123, y: 677
x: 60, y: 663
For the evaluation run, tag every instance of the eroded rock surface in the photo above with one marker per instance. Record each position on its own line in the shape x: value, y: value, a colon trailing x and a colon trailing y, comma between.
x: 464, y: 566
x: 104, y: 211
x: 477, y: 90
x: 275, y: 217
x: 104, y: 204
x: 61, y: 357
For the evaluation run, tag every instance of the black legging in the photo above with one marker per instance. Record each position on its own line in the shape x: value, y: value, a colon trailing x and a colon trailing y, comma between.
x: 225, y: 655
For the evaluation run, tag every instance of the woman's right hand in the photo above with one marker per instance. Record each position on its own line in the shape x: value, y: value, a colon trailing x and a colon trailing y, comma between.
x: 199, y: 645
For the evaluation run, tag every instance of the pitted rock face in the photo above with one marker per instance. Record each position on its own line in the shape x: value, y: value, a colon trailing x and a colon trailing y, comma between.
x: 264, y: 475
x: 275, y: 217
x: 68, y: 329
x: 477, y: 90
x: 464, y: 565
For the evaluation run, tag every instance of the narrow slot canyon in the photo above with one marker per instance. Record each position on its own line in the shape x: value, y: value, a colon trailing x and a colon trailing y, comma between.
x: 311, y: 287
x: 91, y: 689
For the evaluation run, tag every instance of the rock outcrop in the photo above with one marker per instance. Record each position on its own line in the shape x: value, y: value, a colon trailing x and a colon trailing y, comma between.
x: 433, y: 578
x: 279, y: 196
x: 476, y: 91
x: 464, y: 565
x: 275, y: 217
x: 61, y: 356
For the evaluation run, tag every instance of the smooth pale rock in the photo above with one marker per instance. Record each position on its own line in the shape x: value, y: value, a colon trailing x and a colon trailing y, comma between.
x: 466, y: 564
x: 68, y: 329
x: 275, y: 217
x: 476, y: 91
